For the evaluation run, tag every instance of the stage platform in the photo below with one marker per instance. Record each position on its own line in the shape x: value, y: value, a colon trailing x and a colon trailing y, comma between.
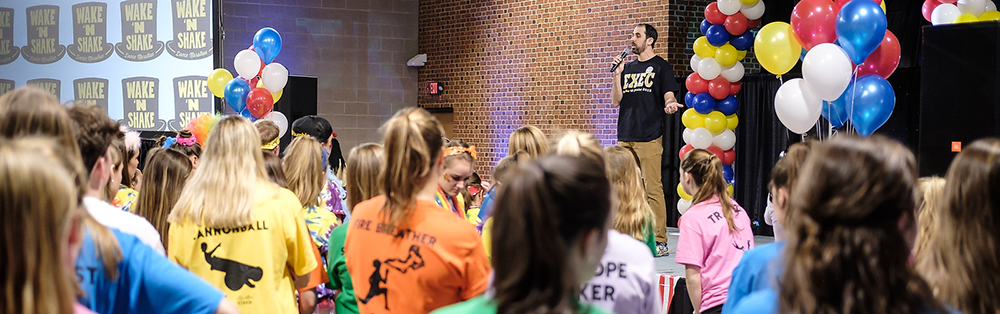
x: 667, y: 265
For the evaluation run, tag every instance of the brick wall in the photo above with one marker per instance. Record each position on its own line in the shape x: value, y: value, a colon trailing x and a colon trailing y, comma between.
x: 356, y: 48
x: 508, y: 63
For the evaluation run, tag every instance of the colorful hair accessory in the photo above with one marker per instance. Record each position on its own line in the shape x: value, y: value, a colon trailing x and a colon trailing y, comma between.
x: 186, y: 141
x: 132, y: 141
x: 474, y: 190
x: 200, y: 125
x: 297, y: 134
x: 455, y: 150
x: 272, y: 144
x: 169, y: 142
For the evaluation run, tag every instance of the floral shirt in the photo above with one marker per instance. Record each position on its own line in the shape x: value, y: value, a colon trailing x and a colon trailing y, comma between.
x: 321, y: 219
x: 124, y: 198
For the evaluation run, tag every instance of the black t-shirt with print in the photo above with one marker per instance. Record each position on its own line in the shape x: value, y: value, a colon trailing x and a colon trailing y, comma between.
x: 641, y: 116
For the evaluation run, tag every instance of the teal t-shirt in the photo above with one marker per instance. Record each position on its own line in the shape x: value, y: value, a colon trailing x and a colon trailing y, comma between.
x: 482, y: 305
x: 336, y: 269
x: 650, y: 237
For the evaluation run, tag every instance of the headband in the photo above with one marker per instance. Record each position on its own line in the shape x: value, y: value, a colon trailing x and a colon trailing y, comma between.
x: 169, y: 142
x: 272, y: 144
x: 297, y: 134
x: 186, y: 141
x: 455, y: 150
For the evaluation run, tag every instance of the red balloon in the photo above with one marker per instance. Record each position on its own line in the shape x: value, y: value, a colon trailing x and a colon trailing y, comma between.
x: 751, y: 24
x: 737, y: 24
x: 929, y: 7
x: 728, y: 157
x: 884, y: 59
x: 253, y: 82
x: 684, y: 150
x: 713, y: 15
x: 734, y: 88
x: 695, y: 84
x: 719, y: 88
x: 260, y: 102
x: 716, y: 151
x: 813, y: 22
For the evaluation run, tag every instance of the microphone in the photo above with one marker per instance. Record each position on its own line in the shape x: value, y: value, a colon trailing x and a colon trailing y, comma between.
x: 624, y: 53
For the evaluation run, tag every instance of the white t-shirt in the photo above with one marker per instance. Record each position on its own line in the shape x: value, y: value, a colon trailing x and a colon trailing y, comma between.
x: 126, y: 222
x: 625, y: 280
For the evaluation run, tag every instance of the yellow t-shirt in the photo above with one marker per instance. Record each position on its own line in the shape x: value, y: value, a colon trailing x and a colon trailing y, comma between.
x: 433, y: 260
x: 250, y: 264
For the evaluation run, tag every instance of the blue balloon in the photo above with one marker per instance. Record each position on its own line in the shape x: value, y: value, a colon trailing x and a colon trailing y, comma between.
x: 703, y: 103
x: 704, y: 26
x: 246, y: 114
x: 742, y: 42
x: 871, y: 100
x: 727, y: 174
x: 727, y: 106
x: 802, y: 55
x: 236, y: 93
x: 267, y: 44
x: 689, y: 99
x: 860, y: 28
x: 836, y: 111
x: 717, y: 35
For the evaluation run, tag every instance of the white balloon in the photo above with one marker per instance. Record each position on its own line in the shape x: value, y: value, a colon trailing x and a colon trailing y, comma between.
x: 945, y: 13
x: 709, y: 69
x: 725, y: 140
x: 828, y: 70
x: 274, y: 77
x: 990, y: 6
x: 729, y: 7
x: 753, y: 11
x: 279, y: 119
x: 796, y: 106
x: 974, y: 7
x: 694, y: 63
x: 686, y: 136
x: 734, y: 73
x: 247, y: 64
x: 683, y: 205
x: 701, y: 138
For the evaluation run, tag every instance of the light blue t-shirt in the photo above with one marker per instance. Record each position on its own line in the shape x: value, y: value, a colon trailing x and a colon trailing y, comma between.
x: 758, y: 270
x: 147, y: 282
x: 766, y: 301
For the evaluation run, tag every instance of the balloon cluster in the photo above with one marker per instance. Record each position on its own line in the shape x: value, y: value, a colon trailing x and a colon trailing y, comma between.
x: 260, y: 82
x: 940, y: 12
x: 712, y: 88
x: 847, y: 53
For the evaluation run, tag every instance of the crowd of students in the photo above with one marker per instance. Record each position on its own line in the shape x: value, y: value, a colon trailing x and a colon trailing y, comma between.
x: 231, y: 224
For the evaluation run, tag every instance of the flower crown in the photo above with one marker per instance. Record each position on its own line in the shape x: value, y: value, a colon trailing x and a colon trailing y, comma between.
x: 455, y: 150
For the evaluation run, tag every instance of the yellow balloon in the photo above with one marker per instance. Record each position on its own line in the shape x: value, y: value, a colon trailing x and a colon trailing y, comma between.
x: 966, y: 18
x: 692, y: 119
x: 776, y: 49
x: 726, y: 55
x: 729, y: 188
x: 702, y: 48
x: 217, y: 81
x: 740, y: 54
x: 883, y: 6
x: 732, y: 121
x: 749, y: 2
x: 990, y: 16
x: 682, y: 193
x: 716, y: 122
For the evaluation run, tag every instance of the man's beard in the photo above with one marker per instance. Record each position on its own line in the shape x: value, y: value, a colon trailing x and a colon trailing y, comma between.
x: 637, y: 49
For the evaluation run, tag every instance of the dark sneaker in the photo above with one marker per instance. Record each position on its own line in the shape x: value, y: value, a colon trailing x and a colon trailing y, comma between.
x: 661, y: 249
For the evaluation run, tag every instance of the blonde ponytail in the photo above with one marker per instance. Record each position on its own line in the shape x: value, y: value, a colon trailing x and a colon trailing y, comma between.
x: 412, y: 145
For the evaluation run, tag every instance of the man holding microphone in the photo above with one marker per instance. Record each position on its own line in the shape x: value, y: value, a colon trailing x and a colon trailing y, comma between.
x: 644, y: 91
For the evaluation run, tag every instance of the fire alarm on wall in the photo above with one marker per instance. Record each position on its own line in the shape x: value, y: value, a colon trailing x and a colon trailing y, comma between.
x: 434, y: 88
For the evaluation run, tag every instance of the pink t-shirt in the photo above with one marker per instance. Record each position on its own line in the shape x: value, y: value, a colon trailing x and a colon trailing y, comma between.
x: 706, y: 242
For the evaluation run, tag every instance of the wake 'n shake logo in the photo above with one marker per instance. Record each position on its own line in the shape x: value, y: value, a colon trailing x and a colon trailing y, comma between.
x: 6, y: 86
x: 43, y: 35
x: 49, y: 85
x: 141, y: 104
x: 91, y: 91
x: 639, y: 82
x: 139, y: 31
x: 191, y: 30
x: 191, y: 98
x: 8, y: 52
x: 90, y: 33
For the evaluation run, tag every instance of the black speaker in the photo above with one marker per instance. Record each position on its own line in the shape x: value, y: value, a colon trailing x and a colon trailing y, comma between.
x: 959, y: 91
x: 297, y: 100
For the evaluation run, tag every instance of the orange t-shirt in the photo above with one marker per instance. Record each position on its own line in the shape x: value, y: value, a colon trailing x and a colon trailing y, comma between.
x: 434, y: 260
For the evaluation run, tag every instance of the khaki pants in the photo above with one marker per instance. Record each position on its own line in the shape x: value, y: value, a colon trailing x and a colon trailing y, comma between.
x: 649, y: 155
